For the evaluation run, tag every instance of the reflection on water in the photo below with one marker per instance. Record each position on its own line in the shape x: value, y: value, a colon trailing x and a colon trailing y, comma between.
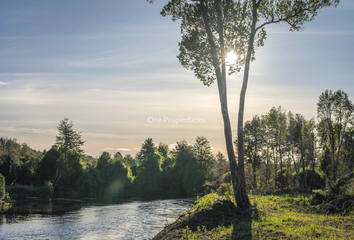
x: 134, y: 220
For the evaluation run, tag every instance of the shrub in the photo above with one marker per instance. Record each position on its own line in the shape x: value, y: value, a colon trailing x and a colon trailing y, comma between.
x: 21, y: 191
x: 2, y: 187
x: 226, y: 178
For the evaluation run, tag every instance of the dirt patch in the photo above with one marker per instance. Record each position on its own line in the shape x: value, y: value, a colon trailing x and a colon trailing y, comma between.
x: 222, y: 212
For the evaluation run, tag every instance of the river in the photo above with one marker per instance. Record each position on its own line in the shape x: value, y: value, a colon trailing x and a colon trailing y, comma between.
x: 131, y: 220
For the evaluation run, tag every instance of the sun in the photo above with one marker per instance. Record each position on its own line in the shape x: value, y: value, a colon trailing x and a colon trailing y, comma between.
x: 231, y: 58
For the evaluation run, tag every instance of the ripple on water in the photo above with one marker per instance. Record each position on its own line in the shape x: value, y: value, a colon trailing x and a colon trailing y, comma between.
x: 133, y: 220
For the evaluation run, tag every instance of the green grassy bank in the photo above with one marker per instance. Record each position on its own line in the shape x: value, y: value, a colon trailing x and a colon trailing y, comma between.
x: 273, y: 217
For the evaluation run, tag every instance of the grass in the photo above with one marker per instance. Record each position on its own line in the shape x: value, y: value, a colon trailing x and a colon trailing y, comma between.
x: 207, y: 200
x: 278, y: 217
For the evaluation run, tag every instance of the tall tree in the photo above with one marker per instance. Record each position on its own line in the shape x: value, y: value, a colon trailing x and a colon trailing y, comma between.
x: 277, y: 123
x: 212, y: 28
x: 10, y: 163
x: 294, y: 142
x: 182, y: 155
x: 335, y: 112
x: 204, y: 156
x: 69, y: 143
x: 254, y: 142
x: 263, y: 13
x: 129, y: 160
x: 68, y: 140
x: 309, y: 144
x: 149, y: 173
x: 47, y: 167
x: 163, y: 149
x: 103, y: 160
x: 348, y: 147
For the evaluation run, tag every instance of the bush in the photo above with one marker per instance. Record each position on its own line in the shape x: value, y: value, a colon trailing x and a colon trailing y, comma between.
x: 226, y: 178
x: 22, y: 191
x: 224, y: 189
x: 2, y: 187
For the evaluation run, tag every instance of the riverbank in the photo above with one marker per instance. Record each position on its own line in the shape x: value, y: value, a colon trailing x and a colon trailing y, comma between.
x: 273, y: 217
x: 44, y: 206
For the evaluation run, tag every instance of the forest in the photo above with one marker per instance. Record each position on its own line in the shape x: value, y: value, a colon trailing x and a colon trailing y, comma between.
x: 284, y: 152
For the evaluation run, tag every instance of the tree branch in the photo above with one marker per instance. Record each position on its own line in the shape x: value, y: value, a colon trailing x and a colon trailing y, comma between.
x: 286, y: 19
x: 214, y: 54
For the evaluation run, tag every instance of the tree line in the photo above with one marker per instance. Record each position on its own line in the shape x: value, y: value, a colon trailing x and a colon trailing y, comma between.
x: 155, y: 171
x: 283, y: 150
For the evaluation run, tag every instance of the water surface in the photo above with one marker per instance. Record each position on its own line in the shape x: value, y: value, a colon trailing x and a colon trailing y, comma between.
x: 132, y: 220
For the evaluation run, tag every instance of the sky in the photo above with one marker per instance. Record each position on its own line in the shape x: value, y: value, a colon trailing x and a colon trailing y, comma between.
x: 111, y: 68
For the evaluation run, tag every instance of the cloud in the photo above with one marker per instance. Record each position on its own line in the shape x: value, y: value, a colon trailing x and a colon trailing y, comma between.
x: 29, y: 130
x: 172, y: 146
x: 3, y: 83
x: 117, y: 149
x: 105, y: 135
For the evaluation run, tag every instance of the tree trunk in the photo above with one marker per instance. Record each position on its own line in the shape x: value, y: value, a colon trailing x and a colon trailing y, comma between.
x: 304, y: 172
x: 327, y: 183
x: 281, y: 169
x: 334, y: 167
x: 267, y: 168
x: 297, y: 181
x: 240, y: 149
x: 254, y: 169
x: 275, y: 168
x: 238, y: 181
x: 312, y: 174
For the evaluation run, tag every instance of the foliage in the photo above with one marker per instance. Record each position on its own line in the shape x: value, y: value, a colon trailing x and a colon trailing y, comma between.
x: 335, y: 112
x: 46, y: 169
x: 163, y: 149
x: 22, y: 192
x: 205, y: 159
x: 103, y: 160
x: 149, y: 173
x: 2, y: 187
x: 68, y: 140
x: 254, y: 141
x: 90, y: 183
x: 18, y: 162
x: 116, y: 177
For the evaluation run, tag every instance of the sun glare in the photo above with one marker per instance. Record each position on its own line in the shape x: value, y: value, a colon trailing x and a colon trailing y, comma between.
x: 231, y: 58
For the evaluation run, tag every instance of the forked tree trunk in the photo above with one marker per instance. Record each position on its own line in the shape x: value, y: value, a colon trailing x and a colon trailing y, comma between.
x: 238, y: 182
